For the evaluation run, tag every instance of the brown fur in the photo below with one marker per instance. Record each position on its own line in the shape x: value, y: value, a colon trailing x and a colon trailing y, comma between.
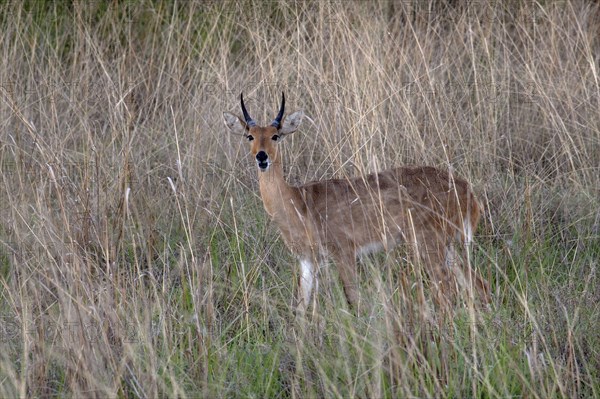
x: 421, y: 206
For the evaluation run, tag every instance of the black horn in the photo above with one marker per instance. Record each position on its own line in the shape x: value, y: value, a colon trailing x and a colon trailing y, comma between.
x: 277, y: 121
x: 249, y: 120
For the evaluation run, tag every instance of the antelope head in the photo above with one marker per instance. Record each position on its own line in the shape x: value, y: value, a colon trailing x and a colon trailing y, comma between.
x: 264, y: 139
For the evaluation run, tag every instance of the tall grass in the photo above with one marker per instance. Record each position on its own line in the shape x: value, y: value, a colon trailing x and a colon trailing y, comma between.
x: 136, y: 259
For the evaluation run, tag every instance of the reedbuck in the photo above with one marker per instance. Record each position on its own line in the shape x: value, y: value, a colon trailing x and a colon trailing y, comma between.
x: 421, y: 206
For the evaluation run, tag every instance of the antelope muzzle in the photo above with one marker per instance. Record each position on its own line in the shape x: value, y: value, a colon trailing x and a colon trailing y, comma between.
x: 262, y: 160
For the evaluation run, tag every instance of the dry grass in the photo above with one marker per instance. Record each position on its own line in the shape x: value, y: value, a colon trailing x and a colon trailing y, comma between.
x: 136, y: 259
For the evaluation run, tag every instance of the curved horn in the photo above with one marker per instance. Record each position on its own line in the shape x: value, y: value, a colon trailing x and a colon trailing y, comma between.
x: 277, y: 121
x: 249, y: 120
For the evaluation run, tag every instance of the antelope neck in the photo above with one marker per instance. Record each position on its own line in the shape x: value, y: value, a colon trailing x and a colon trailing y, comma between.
x: 274, y: 190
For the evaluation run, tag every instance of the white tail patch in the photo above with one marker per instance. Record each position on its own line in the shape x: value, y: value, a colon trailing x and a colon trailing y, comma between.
x: 369, y: 248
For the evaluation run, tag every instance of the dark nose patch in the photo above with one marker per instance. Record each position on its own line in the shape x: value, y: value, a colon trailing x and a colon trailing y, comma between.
x: 262, y: 160
x: 262, y: 156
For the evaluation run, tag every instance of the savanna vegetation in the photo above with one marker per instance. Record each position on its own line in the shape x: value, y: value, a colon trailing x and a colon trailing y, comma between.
x: 136, y: 259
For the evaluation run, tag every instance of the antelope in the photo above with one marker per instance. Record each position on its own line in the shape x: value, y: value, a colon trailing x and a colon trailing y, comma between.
x: 423, y: 206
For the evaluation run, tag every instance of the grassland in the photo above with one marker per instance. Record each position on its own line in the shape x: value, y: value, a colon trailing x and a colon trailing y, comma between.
x: 136, y: 259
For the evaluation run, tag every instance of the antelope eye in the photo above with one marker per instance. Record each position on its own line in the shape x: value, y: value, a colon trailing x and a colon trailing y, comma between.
x: 275, y: 137
x: 250, y: 137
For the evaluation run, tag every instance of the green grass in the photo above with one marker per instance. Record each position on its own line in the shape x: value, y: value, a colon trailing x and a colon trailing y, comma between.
x: 136, y: 259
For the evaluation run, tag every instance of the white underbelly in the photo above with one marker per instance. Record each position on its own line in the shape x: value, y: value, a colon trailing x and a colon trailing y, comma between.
x: 369, y: 248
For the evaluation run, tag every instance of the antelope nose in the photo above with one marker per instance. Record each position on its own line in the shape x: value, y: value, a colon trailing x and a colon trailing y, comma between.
x: 262, y: 157
x: 262, y: 160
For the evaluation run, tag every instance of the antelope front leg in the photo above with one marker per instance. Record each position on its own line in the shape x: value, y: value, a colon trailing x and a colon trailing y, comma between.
x: 306, y: 282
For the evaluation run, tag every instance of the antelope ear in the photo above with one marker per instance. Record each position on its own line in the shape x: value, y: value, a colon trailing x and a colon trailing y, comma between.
x: 291, y: 122
x: 235, y: 124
